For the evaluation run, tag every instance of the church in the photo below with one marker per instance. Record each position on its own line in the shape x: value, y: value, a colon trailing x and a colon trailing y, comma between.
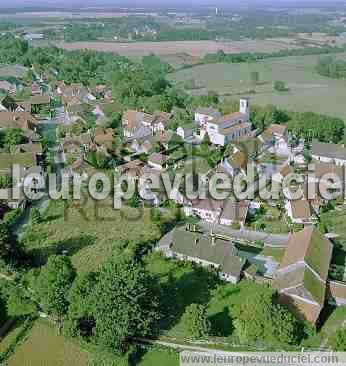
x: 231, y: 127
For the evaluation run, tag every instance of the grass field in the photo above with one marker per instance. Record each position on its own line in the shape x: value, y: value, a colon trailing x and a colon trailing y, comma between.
x: 42, y: 346
x: 308, y: 90
x: 160, y: 357
x: 89, y: 233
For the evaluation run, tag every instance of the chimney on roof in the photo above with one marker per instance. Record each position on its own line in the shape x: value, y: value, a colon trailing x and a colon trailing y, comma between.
x: 212, y: 237
x: 213, y: 242
x: 196, y: 241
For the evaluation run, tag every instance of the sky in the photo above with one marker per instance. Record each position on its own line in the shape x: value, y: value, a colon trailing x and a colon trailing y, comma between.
x: 8, y: 3
x: 143, y: 3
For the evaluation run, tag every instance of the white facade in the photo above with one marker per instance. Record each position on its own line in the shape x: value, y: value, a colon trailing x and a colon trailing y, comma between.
x: 245, y: 106
x: 184, y: 132
x: 202, y: 118
x: 230, y: 128
x: 223, y: 276
x: 325, y: 159
x: 206, y: 215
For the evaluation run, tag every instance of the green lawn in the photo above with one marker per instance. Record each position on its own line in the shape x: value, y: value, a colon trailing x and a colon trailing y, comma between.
x: 42, y: 346
x: 335, y: 319
x: 195, y: 165
x: 271, y: 222
x: 184, y: 284
x: 308, y: 90
x: 159, y: 357
x: 89, y: 233
x: 334, y: 221
x: 24, y: 159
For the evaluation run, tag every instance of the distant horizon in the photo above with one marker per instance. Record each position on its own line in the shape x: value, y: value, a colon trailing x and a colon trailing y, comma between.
x: 78, y: 4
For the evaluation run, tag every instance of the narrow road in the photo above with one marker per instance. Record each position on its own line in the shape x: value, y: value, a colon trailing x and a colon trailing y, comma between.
x: 184, y: 347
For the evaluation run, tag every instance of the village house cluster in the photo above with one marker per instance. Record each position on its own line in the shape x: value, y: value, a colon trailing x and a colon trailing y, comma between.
x: 95, y: 135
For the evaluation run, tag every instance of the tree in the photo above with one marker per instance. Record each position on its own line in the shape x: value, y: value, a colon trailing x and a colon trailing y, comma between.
x: 117, y: 303
x: 3, y: 312
x: 259, y: 317
x: 196, y: 320
x: 36, y: 217
x: 53, y: 283
x: 11, y: 138
x: 19, y: 303
x: 339, y: 341
x: 135, y: 200
x: 280, y: 86
x: 254, y: 77
x: 81, y: 314
x: 10, y: 250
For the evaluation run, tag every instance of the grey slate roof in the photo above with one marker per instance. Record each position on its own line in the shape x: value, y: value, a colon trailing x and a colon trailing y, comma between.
x: 208, y: 111
x: 332, y: 151
x: 199, y: 246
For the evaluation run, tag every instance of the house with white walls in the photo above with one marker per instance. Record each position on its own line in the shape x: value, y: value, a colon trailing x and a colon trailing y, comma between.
x: 231, y: 127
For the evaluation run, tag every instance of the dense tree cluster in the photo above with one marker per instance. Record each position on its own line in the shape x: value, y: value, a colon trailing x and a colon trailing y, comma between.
x: 308, y: 125
x: 331, y: 67
x: 10, y: 138
x: 258, y: 24
x: 52, y: 285
x: 221, y: 56
x: 11, y: 252
x: 196, y: 321
x: 260, y: 318
x: 121, y: 28
x: 114, y: 304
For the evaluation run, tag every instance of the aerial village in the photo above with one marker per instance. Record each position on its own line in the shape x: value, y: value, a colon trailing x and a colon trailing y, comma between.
x: 217, y: 232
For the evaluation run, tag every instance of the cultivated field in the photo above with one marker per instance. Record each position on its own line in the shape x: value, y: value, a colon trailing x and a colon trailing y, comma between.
x: 308, y: 90
x: 193, y: 48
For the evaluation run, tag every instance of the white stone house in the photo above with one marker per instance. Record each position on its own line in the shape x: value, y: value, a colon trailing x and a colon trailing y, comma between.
x: 204, y: 115
x: 185, y: 132
x: 225, y: 212
x: 231, y: 127
x: 206, y: 209
x: 328, y: 153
